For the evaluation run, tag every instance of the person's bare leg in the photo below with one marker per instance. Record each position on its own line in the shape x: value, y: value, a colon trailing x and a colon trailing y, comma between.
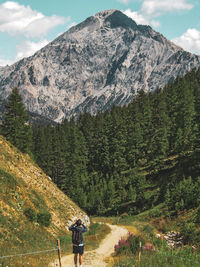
x: 80, y: 259
x: 75, y: 259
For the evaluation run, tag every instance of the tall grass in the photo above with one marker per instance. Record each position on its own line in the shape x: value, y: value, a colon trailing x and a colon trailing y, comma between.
x: 154, y: 254
x: 164, y: 258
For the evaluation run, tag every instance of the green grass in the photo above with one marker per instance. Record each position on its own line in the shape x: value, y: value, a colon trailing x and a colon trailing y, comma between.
x: 7, y: 183
x: 38, y: 201
x: 163, y: 257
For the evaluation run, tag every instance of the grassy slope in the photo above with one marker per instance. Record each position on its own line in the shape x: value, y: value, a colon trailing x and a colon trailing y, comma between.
x: 24, y: 185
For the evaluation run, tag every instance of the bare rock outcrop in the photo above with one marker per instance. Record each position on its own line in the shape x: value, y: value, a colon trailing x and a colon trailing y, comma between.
x: 102, y: 61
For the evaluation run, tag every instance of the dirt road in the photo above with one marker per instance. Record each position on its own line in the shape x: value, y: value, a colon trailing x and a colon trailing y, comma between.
x: 95, y: 258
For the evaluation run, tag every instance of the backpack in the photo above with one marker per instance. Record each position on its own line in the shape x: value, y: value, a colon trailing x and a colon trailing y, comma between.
x: 76, y: 237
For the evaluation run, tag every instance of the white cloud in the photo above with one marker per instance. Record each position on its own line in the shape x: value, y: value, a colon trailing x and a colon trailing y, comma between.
x: 28, y: 48
x: 156, y: 7
x: 25, y: 49
x: 4, y: 62
x: 151, y: 9
x: 72, y: 25
x: 155, y: 23
x: 126, y: 2
x: 189, y: 41
x: 19, y: 19
x: 137, y: 17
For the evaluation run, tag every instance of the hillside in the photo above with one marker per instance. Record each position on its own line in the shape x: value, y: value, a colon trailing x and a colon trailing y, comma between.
x: 23, y: 185
x: 103, y: 61
x: 131, y: 158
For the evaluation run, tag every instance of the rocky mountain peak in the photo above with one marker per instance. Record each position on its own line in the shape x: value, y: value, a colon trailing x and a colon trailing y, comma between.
x: 105, y: 13
x: 115, y: 18
x: 102, y: 61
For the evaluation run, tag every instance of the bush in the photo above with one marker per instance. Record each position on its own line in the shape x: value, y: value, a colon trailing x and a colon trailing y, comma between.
x: 94, y: 227
x: 198, y: 216
x: 44, y: 218
x: 31, y: 214
x: 148, y: 229
x: 129, y: 245
x: 155, y: 213
x: 190, y: 233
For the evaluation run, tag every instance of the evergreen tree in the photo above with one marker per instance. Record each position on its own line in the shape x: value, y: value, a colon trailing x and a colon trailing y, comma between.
x: 186, y: 116
x: 76, y: 164
x: 145, y: 119
x: 134, y: 146
x: 197, y: 113
x: 160, y: 122
x: 117, y: 141
x: 15, y: 123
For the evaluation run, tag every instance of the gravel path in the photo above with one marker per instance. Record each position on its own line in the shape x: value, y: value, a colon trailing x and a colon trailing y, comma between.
x: 95, y: 258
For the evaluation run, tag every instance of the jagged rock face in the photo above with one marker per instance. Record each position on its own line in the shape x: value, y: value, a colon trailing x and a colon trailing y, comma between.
x: 105, y: 60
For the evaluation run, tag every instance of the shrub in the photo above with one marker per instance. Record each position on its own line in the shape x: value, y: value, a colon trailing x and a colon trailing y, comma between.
x: 44, y: 218
x: 129, y: 245
x: 198, y: 216
x: 31, y: 214
x: 93, y: 229
x: 190, y: 233
x: 155, y: 213
x: 148, y: 229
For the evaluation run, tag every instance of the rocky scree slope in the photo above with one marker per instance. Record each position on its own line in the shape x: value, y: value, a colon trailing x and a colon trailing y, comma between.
x: 102, y: 61
x: 23, y: 185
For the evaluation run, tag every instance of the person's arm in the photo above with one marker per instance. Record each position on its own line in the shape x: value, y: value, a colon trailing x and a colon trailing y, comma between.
x: 72, y: 227
x: 84, y: 229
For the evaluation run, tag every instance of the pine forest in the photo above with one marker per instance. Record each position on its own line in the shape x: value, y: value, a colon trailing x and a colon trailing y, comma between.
x: 127, y: 159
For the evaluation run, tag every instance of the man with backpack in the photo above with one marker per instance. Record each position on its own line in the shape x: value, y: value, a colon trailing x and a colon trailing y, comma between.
x: 78, y: 229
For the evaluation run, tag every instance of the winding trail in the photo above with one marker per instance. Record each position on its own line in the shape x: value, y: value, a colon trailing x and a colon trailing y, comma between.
x: 96, y: 257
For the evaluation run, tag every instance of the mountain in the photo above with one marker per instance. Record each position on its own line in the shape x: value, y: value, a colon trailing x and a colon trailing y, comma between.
x: 102, y: 61
x: 24, y: 186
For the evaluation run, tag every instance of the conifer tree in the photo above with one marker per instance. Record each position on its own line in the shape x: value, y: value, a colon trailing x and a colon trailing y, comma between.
x: 187, y: 115
x: 145, y: 118
x: 134, y: 136
x: 160, y: 122
x: 15, y: 123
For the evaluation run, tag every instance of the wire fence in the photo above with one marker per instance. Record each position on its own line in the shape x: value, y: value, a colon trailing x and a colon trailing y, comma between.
x: 52, y: 258
x: 43, y: 258
x: 29, y: 253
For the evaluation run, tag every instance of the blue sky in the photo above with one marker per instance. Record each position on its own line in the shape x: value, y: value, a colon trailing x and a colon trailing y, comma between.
x: 28, y: 25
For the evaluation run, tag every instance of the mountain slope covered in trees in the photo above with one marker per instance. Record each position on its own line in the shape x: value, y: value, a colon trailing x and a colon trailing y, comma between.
x: 129, y: 158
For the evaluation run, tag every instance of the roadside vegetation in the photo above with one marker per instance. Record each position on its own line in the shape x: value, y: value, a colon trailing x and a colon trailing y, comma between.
x: 151, y: 232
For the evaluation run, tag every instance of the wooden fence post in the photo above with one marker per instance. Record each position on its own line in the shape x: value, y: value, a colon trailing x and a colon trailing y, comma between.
x: 139, y: 256
x: 59, y: 252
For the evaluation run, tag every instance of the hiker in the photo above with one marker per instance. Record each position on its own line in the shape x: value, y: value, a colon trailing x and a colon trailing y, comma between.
x: 78, y: 229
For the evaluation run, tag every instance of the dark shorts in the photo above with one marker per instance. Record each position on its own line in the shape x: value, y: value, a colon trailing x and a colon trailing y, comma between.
x: 78, y: 250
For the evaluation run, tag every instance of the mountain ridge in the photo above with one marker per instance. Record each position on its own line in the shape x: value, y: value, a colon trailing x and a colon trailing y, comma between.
x: 103, y: 61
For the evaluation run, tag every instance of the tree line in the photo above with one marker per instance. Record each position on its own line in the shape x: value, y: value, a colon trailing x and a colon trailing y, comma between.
x: 112, y: 161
